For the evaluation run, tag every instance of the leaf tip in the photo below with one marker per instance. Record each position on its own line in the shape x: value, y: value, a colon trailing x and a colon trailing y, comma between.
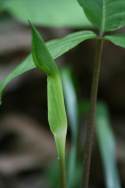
x: 32, y: 28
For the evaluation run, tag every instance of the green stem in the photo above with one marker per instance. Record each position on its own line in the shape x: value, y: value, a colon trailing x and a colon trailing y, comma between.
x: 90, y: 129
x: 60, y: 144
x: 62, y: 172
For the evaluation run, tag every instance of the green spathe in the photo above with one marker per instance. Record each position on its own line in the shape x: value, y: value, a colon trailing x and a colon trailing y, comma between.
x: 56, y: 111
x: 56, y: 108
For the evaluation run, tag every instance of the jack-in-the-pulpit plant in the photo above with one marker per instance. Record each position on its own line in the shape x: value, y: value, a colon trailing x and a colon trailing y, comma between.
x: 56, y: 109
x: 106, y: 16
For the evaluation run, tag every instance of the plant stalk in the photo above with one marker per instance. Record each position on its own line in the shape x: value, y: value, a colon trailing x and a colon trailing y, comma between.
x: 90, y: 129
x: 62, y: 172
x: 60, y: 145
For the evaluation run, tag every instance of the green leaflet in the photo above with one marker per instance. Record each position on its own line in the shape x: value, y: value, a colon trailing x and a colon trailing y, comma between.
x: 106, y: 15
x: 106, y: 142
x: 56, y: 48
x: 52, y: 13
x: 60, y: 46
x: 117, y: 39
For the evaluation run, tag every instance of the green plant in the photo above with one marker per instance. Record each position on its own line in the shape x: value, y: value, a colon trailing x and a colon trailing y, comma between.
x: 106, y: 16
x: 56, y: 109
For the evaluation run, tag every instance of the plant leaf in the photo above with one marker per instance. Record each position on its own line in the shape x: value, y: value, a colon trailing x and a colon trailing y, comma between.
x: 56, y: 48
x: 61, y: 46
x: 106, y: 142
x: 117, y: 39
x: 106, y: 15
x: 54, y: 13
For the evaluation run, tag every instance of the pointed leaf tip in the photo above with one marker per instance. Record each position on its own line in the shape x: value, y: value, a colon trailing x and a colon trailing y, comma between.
x: 41, y: 55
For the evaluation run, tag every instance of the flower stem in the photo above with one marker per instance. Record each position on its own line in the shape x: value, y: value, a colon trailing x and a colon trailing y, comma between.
x: 62, y: 172
x: 90, y: 129
x: 60, y: 145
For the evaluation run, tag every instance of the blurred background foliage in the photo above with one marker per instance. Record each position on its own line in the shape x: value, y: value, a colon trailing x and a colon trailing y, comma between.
x: 54, y: 13
x: 27, y: 153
